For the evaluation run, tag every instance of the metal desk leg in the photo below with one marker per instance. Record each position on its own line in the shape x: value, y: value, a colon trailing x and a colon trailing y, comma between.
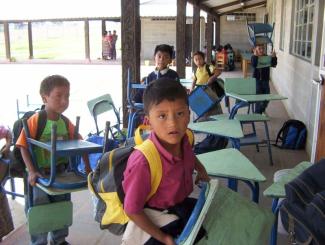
x: 255, y: 188
x: 275, y: 211
x: 235, y: 143
x: 233, y: 184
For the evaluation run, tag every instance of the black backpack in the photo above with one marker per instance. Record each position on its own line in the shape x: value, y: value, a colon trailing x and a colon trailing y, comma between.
x: 211, y: 143
x: 303, y: 210
x: 17, y: 168
x: 292, y: 135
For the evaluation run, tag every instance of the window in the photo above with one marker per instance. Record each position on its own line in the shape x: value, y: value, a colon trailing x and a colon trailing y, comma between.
x: 283, y: 22
x: 250, y: 17
x: 303, y: 28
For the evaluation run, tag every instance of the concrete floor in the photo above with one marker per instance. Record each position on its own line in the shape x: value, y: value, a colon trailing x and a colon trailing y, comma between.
x: 86, y: 231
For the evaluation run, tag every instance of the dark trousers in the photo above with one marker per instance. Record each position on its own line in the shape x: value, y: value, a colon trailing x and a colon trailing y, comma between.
x: 262, y: 87
x: 183, y: 210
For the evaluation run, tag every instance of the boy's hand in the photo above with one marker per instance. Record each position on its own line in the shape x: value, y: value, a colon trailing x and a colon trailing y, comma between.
x: 32, y: 177
x: 202, y: 176
x: 169, y: 240
x: 87, y: 169
x: 273, y: 53
x: 255, y: 52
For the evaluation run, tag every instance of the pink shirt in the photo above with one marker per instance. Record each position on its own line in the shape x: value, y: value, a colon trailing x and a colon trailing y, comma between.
x: 176, y: 183
x: 3, y: 132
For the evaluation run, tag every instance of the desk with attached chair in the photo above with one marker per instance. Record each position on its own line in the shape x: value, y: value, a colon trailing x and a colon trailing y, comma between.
x: 233, y: 165
x: 58, y: 215
x: 244, y: 91
x: 277, y: 191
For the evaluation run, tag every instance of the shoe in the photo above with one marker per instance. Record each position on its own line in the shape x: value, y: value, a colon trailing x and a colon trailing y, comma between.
x: 64, y: 243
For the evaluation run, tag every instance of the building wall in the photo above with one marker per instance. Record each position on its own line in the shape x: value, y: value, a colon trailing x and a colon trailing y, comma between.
x: 235, y: 32
x: 293, y: 76
x: 156, y: 31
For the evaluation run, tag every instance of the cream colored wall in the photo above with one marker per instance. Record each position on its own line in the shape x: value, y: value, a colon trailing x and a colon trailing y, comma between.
x: 235, y: 32
x: 293, y: 76
x: 162, y: 31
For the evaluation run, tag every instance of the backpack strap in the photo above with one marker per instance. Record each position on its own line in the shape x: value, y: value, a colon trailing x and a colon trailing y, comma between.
x: 41, y: 123
x: 137, y: 134
x: 151, y: 153
x: 207, y: 67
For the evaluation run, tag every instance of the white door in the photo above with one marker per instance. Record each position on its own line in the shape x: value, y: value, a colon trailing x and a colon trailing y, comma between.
x: 318, y: 150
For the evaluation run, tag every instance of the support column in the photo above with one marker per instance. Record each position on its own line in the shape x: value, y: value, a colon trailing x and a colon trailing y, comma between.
x: 217, y: 31
x: 103, y: 26
x: 131, y: 46
x: 7, y: 40
x: 180, y: 37
x: 87, y: 43
x: 30, y: 40
x: 195, y: 32
x: 209, y: 40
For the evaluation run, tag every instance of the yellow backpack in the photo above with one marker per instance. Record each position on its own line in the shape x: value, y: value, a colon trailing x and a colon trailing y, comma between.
x: 106, y: 182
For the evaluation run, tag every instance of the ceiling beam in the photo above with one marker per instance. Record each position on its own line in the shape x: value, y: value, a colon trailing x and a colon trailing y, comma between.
x: 203, y: 7
x: 260, y: 4
x: 230, y: 4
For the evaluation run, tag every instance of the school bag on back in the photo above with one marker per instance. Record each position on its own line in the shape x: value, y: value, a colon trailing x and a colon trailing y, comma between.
x: 292, y: 135
x: 105, y: 182
x: 303, y: 210
x: 17, y: 168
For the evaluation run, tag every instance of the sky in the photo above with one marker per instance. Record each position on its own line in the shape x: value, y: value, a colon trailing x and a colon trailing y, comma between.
x: 46, y: 9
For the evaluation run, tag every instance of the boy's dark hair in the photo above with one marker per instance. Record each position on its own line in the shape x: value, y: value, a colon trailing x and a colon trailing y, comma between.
x: 50, y: 82
x: 164, y: 48
x: 163, y: 89
x: 200, y: 53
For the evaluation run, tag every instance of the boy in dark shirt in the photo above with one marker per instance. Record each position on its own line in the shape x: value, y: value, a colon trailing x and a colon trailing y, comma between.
x: 163, y: 57
x: 262, y: 76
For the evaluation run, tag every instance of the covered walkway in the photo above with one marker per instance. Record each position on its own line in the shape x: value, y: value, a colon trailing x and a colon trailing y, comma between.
x: 86, y: 231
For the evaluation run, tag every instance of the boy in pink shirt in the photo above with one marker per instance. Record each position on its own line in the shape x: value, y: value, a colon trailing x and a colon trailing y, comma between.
x: 167, y: 111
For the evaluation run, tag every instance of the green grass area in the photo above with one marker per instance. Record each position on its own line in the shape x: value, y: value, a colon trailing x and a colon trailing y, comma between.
x: 51, y: 45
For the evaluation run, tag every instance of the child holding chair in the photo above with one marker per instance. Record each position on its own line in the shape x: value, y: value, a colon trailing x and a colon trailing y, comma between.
x: 262, y: 75
x: 55, y: 92
x: 167, y: 111
x: 206, y: 75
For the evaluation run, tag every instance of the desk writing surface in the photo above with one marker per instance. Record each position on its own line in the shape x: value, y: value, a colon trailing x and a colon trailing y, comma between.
x: 230, y: 163
x: 256, y: 97
x: 229, y: 128
x: 70, y: 146
x: 185, y: 81
x: 277, y: 188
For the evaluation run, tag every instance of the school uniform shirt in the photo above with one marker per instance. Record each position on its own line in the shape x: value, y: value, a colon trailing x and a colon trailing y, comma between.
x: 202, y: 75
x: 162, y: 73
x: 262, y: 74
x: 176, y: 182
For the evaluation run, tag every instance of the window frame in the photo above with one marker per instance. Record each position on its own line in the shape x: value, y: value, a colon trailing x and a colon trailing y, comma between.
x: 302, y: 26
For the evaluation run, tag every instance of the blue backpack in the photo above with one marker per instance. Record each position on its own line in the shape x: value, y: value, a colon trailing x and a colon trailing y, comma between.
x: 292, y: 135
